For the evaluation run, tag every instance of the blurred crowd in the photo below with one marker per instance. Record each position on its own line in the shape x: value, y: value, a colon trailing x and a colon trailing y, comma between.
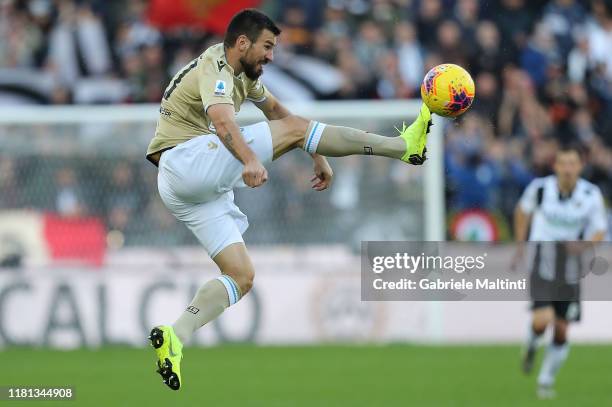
x: 543, y: 73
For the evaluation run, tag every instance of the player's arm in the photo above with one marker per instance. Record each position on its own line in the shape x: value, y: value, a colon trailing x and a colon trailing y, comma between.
x: 525, y: 207
x: 272, y: 108
x: 521, y: 228
x: 521, y: 224
x: 522, y: 219
x: 222, y: 115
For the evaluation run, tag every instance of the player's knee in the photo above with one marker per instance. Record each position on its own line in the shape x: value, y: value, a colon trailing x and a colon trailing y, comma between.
x: 246, y: 283
x: 296, y: 129
x: 539, y: 327
x: 559, y: 339
x: 243, y: 276
x: 560, y: 333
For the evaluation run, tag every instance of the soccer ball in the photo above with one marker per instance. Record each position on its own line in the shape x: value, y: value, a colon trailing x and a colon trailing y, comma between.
x: 448, y: 90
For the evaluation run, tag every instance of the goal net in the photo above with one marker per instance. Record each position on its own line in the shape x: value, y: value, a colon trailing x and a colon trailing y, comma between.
x: 83, y: 169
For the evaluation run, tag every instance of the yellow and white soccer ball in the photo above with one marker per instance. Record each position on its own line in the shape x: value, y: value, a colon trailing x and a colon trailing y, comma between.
x: 448, y: 90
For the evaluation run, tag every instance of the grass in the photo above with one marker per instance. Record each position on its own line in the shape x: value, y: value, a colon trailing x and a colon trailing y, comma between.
x: 356, y: 376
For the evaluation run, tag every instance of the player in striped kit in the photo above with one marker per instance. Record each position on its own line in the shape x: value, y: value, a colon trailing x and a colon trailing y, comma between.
x: 564, y: 214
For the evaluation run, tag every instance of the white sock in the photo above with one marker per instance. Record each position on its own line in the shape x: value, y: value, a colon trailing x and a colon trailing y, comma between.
x: 532, y: 338
x: 313, y: 136
x: 339, y: 141
x: 209, y: 302
x: 555, y: 356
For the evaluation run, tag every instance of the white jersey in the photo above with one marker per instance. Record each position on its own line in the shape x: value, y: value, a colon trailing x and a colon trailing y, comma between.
x: 557, y: 218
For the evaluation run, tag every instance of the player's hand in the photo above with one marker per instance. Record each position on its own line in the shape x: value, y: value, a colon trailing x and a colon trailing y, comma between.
x: 254, y: 174
x: 323, y: 174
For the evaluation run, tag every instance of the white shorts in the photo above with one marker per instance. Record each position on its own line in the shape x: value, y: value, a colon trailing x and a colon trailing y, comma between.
x: 196, y: 181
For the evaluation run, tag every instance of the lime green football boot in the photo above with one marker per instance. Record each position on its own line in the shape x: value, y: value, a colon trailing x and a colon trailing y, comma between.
x: 415, y: 136
x: 169, y: 350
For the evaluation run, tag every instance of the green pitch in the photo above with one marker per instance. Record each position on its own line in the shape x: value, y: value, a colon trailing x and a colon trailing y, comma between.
x: 319, y: 376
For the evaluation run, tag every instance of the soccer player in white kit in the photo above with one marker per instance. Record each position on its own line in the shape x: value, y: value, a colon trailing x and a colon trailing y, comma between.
x: 563, y: 209
x: 202, y: 155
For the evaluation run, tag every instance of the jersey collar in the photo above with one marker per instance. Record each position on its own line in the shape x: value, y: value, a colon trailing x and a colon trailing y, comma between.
x: 568, y: 196
x: 222, y: 61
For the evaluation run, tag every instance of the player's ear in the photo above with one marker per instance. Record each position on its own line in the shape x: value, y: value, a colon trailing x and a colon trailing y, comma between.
x: 243, y: 43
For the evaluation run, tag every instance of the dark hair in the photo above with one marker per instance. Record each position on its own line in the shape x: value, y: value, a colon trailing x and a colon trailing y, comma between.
x: 249, y: 22
x: 608, y: 7
x: 575, y: 147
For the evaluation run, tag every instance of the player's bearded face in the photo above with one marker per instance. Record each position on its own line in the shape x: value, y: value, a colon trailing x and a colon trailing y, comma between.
x: 252, y: 64
x: 258, y: 54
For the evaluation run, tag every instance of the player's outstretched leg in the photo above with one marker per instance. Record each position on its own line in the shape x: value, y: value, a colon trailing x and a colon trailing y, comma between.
x: 209, y: 302
x: 556, y: 354
x: 338, y: 141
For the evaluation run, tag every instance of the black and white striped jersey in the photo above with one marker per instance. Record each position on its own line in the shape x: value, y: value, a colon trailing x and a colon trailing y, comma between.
x: 563, y: 218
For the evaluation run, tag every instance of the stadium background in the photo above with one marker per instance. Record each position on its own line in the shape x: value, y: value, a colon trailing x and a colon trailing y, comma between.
x: 85, y: 240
